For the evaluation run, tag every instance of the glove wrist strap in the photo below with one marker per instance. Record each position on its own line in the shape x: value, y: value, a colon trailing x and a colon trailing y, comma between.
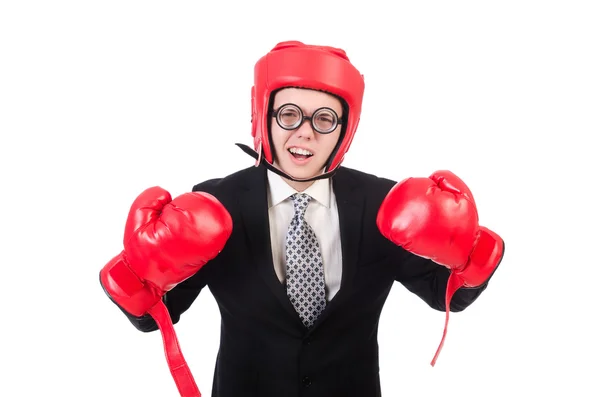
x: 454, y: 283
x: 177, y: 365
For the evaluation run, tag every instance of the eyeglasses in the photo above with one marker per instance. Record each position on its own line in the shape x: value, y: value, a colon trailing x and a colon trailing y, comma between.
x: 289, y: 117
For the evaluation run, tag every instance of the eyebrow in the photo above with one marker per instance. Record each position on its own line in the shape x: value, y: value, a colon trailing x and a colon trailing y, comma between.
x: 339, y: 113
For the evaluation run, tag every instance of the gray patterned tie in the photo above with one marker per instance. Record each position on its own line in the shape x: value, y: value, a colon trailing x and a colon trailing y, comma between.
x: 304, y: 276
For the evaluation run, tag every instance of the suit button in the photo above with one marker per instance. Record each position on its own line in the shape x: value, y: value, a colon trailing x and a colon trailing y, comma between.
x: 306, y: 381
x: 307, y: 341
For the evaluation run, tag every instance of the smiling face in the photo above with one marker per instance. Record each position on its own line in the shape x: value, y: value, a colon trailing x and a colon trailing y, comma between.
x: 303, y: 152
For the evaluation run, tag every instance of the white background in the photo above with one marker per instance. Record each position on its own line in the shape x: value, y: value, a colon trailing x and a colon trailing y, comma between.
x: 99, y: 100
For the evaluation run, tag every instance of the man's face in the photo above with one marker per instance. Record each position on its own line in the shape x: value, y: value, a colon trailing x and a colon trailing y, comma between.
x: 302, y: 152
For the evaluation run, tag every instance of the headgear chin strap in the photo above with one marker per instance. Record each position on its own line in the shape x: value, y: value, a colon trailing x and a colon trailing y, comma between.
x: 261, y: 161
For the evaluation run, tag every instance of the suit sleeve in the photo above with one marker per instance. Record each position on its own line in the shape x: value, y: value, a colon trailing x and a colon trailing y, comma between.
x: 428, y: 281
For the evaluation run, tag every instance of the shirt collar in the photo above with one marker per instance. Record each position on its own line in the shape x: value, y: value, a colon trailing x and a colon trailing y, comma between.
x: 279, y: 190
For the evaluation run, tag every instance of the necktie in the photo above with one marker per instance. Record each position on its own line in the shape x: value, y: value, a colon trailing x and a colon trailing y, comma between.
x: 304, y: 276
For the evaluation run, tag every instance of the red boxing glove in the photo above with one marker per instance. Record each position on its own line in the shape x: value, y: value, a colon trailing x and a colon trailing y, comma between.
x: 165, y: 242
x: 436, y: 218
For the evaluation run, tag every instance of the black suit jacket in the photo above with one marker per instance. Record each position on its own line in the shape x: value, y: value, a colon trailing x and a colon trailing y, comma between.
x: 265, y: 351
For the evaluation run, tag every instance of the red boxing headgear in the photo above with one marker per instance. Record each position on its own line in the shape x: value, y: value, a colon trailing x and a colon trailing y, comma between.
x: 295, y: 64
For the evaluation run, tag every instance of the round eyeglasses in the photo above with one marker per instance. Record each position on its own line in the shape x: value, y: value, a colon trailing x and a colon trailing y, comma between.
x: 289, y: 117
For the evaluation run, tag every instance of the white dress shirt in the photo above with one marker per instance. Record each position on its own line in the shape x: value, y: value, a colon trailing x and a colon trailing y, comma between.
x: 321, y: 215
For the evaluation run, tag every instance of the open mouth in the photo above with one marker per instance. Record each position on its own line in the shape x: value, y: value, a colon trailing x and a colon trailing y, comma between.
x: 300, y: 154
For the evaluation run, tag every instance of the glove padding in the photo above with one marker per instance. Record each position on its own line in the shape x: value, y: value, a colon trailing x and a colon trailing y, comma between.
x: 165, y: 242
x: 436, y: 218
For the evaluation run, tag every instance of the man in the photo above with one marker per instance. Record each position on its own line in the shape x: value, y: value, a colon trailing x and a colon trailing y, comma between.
x: 299, y: 252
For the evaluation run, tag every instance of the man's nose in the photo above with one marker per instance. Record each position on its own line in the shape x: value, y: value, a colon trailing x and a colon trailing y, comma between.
x: 305, y: 129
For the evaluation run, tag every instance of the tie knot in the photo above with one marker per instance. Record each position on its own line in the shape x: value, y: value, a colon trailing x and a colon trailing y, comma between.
x: 300, y: 203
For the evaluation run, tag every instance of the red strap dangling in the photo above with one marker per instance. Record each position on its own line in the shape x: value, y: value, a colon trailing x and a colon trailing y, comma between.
x: 177, y: 365
x: 454, y: 283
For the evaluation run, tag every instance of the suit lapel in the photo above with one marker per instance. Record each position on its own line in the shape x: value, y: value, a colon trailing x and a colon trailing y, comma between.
x: 350, y: 201
x: 255, y: 214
